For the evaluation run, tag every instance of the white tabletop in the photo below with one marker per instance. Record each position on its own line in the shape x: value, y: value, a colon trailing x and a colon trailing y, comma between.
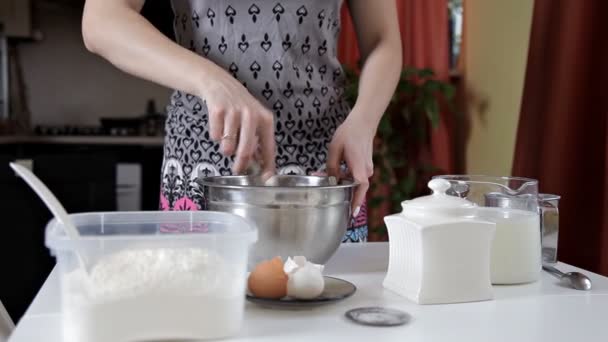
x: 542, y: 311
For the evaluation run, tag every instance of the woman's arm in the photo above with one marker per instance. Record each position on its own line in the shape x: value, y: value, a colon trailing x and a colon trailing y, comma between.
x: 117, y: 31
x: 377, y: 28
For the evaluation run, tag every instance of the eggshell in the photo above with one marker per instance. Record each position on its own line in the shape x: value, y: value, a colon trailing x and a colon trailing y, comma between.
x: 299, y: 261
x: 268, y: 280
x: 305, y: 278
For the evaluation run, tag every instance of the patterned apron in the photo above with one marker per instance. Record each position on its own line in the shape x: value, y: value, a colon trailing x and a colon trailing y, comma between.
x: 284, y: 53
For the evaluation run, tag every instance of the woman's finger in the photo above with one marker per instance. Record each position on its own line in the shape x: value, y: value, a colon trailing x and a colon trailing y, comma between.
x: 246, y: 146
x: 360, y: 175
x: 333, y: 160
x: 230, y: 134
x: 257, y: 154
x: 216, y: 124
x: 267, y: 145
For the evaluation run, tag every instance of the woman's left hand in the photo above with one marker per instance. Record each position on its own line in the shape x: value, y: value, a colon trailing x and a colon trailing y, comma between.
x: 353, y: 143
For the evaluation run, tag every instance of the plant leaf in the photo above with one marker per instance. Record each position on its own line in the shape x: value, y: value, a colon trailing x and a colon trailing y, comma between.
x: 432, y: 86
x: 375, y: 202
x: 408, y: 183
x: 426, y: 73
x: 385, y: 128
x: 448, y: 91
x: 408, y: 72
x: 432, y: 113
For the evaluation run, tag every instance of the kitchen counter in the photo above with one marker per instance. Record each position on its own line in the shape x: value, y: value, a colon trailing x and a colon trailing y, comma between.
x: 84, y: 140
x: 542, y: 311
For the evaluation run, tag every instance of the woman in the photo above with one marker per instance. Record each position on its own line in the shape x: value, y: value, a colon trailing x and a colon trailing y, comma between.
x: 256, y: 77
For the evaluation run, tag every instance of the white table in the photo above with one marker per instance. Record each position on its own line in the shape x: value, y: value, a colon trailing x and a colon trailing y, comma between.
x: 542, y: 311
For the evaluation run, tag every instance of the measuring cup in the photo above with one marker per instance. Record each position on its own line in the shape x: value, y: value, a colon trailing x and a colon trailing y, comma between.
x: 523, y: 217
x: 549, y: 223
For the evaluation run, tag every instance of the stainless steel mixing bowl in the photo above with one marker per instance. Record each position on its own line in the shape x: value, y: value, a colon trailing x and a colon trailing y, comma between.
x: 298, y: 215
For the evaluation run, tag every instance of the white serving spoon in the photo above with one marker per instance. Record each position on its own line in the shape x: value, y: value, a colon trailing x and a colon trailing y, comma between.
x: 51, y: 202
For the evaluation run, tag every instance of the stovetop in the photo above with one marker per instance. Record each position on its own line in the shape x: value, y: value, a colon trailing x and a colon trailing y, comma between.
x: 44, y: 130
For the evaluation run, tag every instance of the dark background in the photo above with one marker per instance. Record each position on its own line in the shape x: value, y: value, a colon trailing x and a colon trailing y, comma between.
x: 160, y: 14
x: 83, y: 177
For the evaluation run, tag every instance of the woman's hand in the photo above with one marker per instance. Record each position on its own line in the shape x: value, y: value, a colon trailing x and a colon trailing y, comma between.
x: 379, y: 41
x: 116, y: 30
x: 238, y: 121
x: 353, y: 143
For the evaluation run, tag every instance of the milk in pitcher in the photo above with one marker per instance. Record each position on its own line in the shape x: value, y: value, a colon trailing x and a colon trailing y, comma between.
x: 516, y: 249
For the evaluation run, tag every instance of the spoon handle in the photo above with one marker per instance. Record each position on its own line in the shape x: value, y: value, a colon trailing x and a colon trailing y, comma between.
x: 554, y: 271
x: 47, y: 197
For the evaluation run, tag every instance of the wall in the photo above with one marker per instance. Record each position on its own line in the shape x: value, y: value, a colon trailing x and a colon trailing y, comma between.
x: 67, y: 84
x: 496, y: 36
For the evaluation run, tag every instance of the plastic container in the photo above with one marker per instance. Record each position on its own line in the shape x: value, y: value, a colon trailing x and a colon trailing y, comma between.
x: 152, y: 275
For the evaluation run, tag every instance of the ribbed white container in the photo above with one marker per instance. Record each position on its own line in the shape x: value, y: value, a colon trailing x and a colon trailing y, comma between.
x: 439, y: 251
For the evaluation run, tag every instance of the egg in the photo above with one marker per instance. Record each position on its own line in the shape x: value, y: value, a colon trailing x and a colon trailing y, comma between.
x: 305, y: 279
x: 268, y: 280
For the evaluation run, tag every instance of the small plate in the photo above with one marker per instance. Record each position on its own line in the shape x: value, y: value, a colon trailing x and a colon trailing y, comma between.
x: 335, y: 290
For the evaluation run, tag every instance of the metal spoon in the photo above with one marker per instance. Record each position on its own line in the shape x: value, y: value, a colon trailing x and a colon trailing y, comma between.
x: 576, y: 280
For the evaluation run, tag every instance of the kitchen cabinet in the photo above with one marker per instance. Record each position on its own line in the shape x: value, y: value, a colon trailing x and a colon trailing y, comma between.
x: 23, y: 256
x: 128, y: 187
x: 16, y: 18
x: 144, y: 151
x: 4, y: 81
x: 83, y: 177
x: 81, y: 182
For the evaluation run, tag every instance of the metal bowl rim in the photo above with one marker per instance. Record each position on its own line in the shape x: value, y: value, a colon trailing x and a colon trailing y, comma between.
x: 205, y: 181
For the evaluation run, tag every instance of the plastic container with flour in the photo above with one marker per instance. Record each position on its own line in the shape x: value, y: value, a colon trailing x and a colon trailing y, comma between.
x: 152, y: 275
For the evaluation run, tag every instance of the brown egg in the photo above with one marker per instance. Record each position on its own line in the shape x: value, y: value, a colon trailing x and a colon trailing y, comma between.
x: 268, y: 280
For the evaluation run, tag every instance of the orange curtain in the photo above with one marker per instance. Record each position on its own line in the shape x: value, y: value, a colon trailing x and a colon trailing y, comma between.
x: 348, y: 51
x: 424, y: 34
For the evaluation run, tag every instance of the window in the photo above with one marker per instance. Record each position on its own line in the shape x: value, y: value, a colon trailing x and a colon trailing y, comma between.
x: 455, y: 13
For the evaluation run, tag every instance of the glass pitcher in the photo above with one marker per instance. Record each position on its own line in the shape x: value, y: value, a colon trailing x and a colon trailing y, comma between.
x: 549, y: 224
x: 514, y: 204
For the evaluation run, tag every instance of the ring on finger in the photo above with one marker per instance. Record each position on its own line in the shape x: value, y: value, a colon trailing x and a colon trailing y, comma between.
x: 229, y: 136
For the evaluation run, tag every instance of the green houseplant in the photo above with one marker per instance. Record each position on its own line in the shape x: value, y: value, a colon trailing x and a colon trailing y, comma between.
x: 403, y: 136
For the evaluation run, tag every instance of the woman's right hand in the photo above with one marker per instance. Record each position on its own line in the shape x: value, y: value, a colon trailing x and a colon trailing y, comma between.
x: 238, y: 121
x: 116, y: 30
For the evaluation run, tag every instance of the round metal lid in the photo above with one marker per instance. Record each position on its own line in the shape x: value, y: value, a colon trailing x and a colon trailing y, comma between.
x: 378, y: 316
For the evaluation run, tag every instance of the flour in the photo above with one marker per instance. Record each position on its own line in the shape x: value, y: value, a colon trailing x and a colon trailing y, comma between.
x: 153, y: 294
